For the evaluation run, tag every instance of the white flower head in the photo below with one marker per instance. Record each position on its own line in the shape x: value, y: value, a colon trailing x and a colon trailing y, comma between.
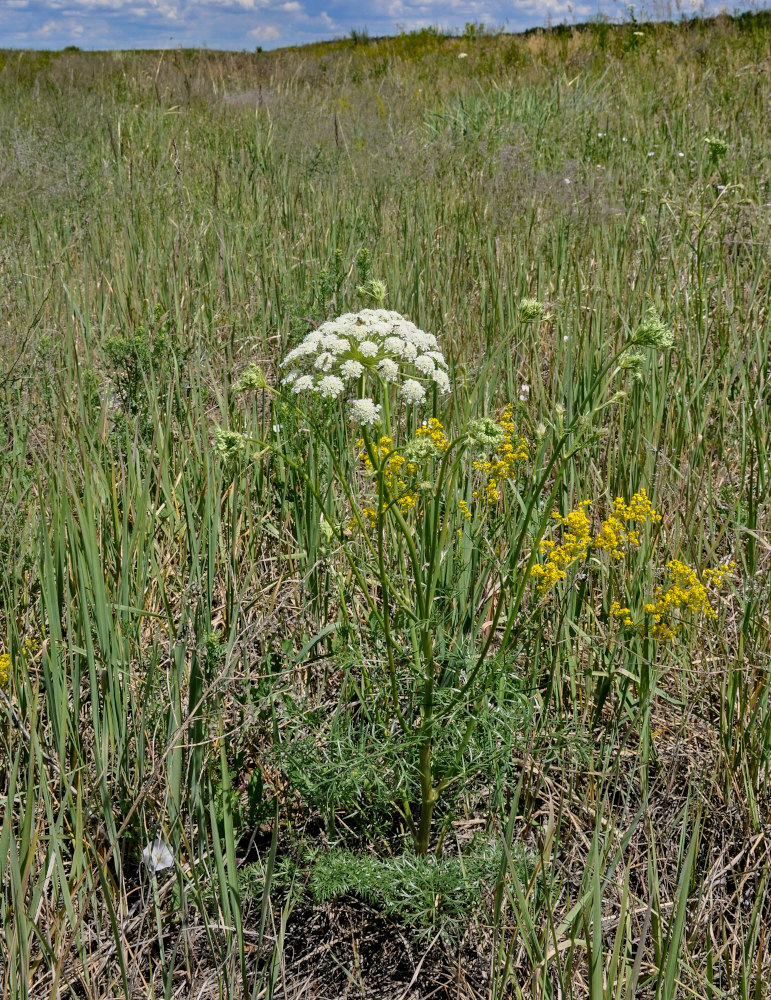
x: 324, y: 361
x: 302, y: 383
x: 157, y: 855
x: 413, y: 392
x: 441, y: 380
x: 351, y: 346
x: 394, y: 345
x: 332, y: 386
x: 388, y: 369
x: 351, y: 369
x: 365, y: 411
x: 368, y: 349
x: 425, y: 364
x: 336, y: 345
x: 438, y: 357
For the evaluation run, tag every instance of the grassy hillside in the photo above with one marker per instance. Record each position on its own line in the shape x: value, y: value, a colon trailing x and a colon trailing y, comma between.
x: 468, y: 701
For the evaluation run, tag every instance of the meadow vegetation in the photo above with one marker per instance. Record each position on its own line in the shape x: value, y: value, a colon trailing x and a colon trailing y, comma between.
x: 433, y: 659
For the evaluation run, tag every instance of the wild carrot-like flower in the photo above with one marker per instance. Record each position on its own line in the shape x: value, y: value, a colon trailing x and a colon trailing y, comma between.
x: 374, y: 343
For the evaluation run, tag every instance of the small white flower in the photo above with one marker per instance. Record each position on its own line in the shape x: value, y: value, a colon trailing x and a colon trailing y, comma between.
x: 365, y: 411
x: 413, y: 392
x: 388, y: 369
x: 524, y: 389
x: 463, y: 55
x: 394, y: 345
x: 681, y: 155
x: 410, y: 352
x: 624, y: 139
x: 442, y: 381
x: 289, y: 378
x: 336, y: 345
x: 438, y: 357
x: 368, y: 349
x: 351, y: 369
x: 651, y: 153
x: 324, y: 361
x: 331, y: 385
x: 566, y: 180
x: 276, y: 428
x: 425, y: 365
x: 302, y: 383
x: 157, y: 855
x: 565, y: 339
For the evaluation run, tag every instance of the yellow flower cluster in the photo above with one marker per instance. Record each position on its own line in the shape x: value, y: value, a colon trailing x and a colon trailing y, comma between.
x: 5, y: 669
x: 625, y: 614
x: 435, y: 432
x: 684, y: 592
x: 393, y: 470
x: 396, y: 466
x: 614, y: 534
x: 576, y: 539
x: 502, y: 464
x: 464, y: 509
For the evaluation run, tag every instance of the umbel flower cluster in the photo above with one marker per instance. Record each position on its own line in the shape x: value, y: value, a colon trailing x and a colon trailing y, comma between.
x: 359, y: 350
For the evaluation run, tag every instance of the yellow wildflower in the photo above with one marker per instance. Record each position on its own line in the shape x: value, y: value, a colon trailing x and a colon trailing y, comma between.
x: 614, y: 533
x: 435, y: 431
x: 5, y: 669
x: 618, y: 611
x: 504, y: 460
x: 684, y: 592
x: 576, y: 539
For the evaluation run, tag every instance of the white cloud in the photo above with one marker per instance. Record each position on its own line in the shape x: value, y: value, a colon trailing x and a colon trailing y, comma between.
x: 292, y: 7
x: 266, y: 33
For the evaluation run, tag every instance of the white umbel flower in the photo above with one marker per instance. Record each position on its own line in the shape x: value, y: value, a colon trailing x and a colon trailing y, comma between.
x: 351, y: 369
x: 441, y: 380
x: 413, y: 392
x: 302, y: 383
x: 157, y: 855
x: 324, y: 361
x: 388, y: 369
x: 365, y: 411
x: 332, y: 386
x: 350, y: 347
x: 394, y: 345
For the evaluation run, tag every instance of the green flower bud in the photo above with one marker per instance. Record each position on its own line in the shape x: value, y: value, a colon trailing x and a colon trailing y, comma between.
x: 229, y: 444
x: 652, y: 332
x: 485, y: 432
x: 252, y: 378
x: 529, y: 309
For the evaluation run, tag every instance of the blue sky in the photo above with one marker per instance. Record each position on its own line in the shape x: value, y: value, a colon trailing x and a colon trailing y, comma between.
x: 245, y: 24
